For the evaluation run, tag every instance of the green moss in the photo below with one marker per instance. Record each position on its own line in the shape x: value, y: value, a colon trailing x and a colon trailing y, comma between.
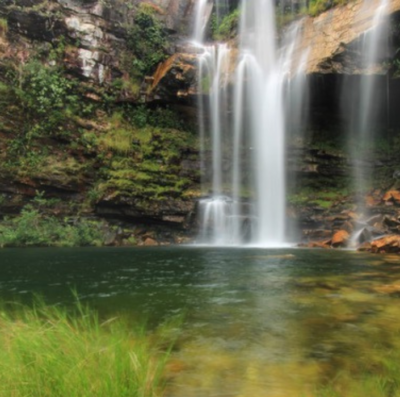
x: 315, y: 197
x: 316, y: 7
x: 152, y: 171
x: 118, y: 140
x: 325, y: 204
x: 144, y: 136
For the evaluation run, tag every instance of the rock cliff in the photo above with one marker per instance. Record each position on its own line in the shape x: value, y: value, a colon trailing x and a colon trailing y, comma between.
x: 97, y: 110
x: 78, y: 121
x: 332, y: 36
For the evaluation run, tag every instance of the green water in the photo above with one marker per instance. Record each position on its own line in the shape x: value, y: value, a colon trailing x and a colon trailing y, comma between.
x: 256, y: 322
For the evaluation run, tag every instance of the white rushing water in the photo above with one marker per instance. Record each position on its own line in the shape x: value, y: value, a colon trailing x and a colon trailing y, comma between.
x: 365, y: 101
x: 252, y: 97
x: 203, y: 10
x: 244, y: 153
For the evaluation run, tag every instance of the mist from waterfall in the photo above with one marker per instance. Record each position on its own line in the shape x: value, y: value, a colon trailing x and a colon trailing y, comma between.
x: 243, y: 151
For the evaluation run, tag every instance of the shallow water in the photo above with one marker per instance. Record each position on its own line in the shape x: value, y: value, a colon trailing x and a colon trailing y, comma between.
x: 256, y: 322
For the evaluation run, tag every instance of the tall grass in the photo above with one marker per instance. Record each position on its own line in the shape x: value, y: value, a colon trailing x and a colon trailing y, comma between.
x: 3, y: 26
x: 379, y: 376
x: 47, y: 352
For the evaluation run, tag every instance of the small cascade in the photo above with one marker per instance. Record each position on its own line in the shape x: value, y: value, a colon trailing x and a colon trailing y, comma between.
x: 215, y: 211
x: 220, y: 225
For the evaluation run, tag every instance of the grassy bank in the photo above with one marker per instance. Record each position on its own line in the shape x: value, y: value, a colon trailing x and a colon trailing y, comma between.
x: 48, y: 351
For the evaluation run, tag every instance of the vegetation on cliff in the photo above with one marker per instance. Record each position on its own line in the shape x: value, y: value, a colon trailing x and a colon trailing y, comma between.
x: 227, y: 27
x: 147, y: 40
x: 37, y: 226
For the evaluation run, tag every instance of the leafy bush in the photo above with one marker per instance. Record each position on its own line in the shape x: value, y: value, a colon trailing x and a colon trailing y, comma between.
x: 45, y: 89
x: 228, y: 27
x: 142, y: 116
x: 32, y: 228
x: 44, y: 96
x: 147, y: 39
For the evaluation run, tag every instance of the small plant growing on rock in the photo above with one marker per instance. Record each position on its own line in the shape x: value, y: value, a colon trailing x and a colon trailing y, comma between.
x: 3, y: 26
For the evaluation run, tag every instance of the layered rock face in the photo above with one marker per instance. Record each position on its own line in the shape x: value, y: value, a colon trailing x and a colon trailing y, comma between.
x: 97, y: 30
x: 76, y: 78
x: 323, y: 199
x: 331, y: 36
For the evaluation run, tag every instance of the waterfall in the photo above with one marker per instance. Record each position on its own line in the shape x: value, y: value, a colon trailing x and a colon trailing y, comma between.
x: 364, y: 104
x: 253, y: 98
x: 203, y: 10
x: 243, y: 150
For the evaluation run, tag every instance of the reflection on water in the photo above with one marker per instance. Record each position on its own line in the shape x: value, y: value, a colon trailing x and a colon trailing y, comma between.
x: 257, y: 322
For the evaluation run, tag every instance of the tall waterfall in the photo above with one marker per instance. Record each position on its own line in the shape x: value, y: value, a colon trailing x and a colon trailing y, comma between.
x: 364, y: 103
x: 243, y: 154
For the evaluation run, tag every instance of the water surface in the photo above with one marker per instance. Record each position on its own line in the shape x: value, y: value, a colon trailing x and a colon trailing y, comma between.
x: 256, y: 322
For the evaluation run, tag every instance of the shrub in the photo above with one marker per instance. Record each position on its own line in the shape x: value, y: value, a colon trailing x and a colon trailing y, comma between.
x: 147, y: 39
x: 142, y: 116
x: 228, y: 27
x: 32, y: 228
x: 45, y: 96
x: 45, y: 89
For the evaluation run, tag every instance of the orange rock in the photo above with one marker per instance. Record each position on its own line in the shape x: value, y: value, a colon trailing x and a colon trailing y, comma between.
x: 390, y: 243
x: 370, y: 201
x: 352, y: 215
x: 392, y: 195
x: 340, y: 239
x: 320, y: 244
x: 150, y: 242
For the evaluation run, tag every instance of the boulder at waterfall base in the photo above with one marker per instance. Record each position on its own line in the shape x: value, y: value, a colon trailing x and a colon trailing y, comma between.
x: 387, y: 244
